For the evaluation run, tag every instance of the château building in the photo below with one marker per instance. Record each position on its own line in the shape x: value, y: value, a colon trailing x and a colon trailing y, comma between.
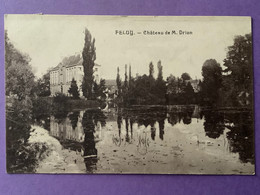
x: 70, y: 68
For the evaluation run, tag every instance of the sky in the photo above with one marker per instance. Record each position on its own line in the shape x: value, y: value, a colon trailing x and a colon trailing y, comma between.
x: 47, y: 39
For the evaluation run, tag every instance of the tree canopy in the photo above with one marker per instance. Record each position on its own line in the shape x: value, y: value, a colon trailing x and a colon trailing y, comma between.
x: 238, y: 63
x: 185, y: 76
x: 212, y: 80
x: 19, y: 75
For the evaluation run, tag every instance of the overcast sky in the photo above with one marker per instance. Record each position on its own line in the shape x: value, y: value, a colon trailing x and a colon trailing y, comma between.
x: 47, y: 39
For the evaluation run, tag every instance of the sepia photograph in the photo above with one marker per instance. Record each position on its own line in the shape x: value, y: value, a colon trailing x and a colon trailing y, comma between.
x: 129, y: 94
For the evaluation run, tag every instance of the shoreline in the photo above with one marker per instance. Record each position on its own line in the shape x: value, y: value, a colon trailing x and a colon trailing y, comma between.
x: 57, y: 159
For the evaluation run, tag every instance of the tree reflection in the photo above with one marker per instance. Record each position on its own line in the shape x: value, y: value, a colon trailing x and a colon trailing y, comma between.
x: 161, y: 128
x: 187, y: 117
x: 119, y: 122
x: 126, y: 127
x: 131, y: 127
x: 176, y: 114
x: 146, y: 116
x: 60, y: 116
x: 153, y: 131
x: 74, y: 116
x: 89, y: 121
x: 241, y: 135
x: 173, y: 118
x: 214, y: 124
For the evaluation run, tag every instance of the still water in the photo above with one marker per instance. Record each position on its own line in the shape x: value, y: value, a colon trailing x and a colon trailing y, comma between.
x: 153, y: 139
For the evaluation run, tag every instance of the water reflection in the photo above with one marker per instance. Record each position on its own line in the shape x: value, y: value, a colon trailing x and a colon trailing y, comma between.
x: 74, y: 116
x: 83, y: 130
x: 241, y: 135
x: 214, y: 123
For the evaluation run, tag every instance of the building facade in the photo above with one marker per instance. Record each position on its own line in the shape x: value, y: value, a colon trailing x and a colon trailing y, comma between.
x: 70, y: 68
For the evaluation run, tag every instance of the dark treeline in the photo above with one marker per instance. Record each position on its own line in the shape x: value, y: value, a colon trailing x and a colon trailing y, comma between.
x: 151, y: 90
x: 141, y: 89
x: 231, y: 86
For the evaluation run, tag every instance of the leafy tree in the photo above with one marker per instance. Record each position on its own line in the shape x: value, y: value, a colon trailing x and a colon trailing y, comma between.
x: 19, y: 75
x: 189, y: 93
x: 89, y: 57
x: 185, y: 76
x: 42, y: 87
x: 171, y: 84
x: 100, y: 88
x: 19, y: 85
x: 212, y: 80
x: 159, y: 89
x: 238, y: 78
x: 18, y: 119
x: 73, y: 90
x: 141, y: 93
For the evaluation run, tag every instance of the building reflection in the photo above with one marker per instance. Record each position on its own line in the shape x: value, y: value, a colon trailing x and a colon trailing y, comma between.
x: 80, y: 131
x: 65, y: 130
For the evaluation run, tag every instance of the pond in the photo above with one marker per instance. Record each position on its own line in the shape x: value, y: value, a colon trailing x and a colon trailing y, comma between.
x: 152, y: 139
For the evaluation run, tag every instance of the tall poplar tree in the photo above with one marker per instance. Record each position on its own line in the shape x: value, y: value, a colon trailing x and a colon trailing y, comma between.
x: 118, y: 82
x: 130, y: 78
x: 89, y: 57
x: 151, y: 69
x: 126, y: 78
x: 160, y: 74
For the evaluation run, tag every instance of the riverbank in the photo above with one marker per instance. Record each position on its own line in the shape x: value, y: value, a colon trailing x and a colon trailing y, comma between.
x: 55, y: 159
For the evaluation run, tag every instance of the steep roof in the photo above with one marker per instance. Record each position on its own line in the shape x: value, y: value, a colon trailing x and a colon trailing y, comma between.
x: 74, y: 60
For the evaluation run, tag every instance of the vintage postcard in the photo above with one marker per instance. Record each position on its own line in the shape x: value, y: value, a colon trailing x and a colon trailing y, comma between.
x: 129, y: 94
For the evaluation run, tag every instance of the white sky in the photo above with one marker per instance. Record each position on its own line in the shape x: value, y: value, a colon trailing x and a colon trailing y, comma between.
x: 47, y: 39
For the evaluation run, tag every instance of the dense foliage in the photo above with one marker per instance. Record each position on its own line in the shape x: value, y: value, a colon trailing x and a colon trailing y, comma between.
x: 19, y: 76
x: 21, y: 155
x: 212, y: 81
x: 238, y: 72
x: 145, y: 89
x: 42, y: 86
x: 73, y: 90
x: 99, y: 89
x: 89, y: 57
